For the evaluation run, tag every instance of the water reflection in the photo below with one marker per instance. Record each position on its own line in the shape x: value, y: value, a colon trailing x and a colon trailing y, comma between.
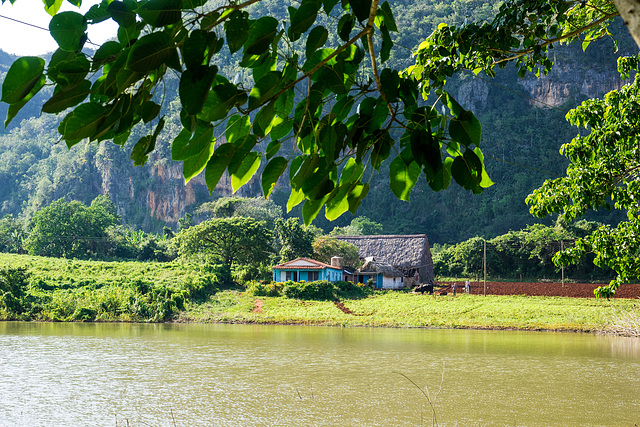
x: 250, y: 375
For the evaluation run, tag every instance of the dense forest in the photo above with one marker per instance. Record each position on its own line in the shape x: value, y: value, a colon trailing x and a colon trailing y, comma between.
x: 523, y: 128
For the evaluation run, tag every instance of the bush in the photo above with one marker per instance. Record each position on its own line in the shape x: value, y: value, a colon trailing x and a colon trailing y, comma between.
x: 13, y: 283
x: 322, y: 290
x: 259, y: 289
x: 351, y: 290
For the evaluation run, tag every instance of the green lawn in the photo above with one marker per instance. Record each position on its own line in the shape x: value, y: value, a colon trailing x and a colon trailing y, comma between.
x: 401, y: 309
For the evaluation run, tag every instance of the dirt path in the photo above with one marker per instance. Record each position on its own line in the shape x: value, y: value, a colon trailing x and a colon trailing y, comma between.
x: 257, y: 306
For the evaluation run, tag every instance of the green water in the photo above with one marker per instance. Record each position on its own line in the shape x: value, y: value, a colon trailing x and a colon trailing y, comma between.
x: 56, y: 374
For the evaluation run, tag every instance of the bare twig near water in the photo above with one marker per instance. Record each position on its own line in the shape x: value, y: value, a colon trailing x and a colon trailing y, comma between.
x: 427, y: 395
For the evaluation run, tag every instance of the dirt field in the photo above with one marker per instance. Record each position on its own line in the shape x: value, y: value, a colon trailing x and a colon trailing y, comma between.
x: 576, y: 290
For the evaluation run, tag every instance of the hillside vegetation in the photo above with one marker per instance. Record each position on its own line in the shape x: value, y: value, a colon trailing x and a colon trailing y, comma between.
x: 521, y: 139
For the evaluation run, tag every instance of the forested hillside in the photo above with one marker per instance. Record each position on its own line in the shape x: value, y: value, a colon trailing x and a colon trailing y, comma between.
x: 523, y: 129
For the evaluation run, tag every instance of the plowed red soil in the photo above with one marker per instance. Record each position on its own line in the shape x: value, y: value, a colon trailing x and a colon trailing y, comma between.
x: 576, y: 290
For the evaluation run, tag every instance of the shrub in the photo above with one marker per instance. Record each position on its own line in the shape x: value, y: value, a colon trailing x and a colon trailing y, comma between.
x: 351, y: 290
x: 13, y: 283
x: 321, y: 290
x: 259, y: 289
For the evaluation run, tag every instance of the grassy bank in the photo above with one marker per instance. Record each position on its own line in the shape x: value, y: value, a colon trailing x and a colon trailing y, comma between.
x: 70, y: 290
x: 401, y: 309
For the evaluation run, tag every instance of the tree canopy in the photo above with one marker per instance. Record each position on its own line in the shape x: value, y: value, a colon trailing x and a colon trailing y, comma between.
x: 71, y: 229
x: 236, y: 240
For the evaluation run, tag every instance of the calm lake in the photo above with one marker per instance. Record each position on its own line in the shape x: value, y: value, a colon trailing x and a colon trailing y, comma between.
x: 56, y: 374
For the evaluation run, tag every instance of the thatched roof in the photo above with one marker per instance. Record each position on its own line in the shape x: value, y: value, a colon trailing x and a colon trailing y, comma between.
x: 404, y: 252
x: 373, y: 266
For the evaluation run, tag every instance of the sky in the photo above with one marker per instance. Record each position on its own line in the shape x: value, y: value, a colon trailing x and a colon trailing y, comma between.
x: 23, y: 40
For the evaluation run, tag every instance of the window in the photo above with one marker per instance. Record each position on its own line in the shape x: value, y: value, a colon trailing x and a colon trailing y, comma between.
x: 313, y: 276
x: 292, y: 275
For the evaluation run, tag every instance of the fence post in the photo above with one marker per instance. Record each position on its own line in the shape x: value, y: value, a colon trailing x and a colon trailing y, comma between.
x: 485, y: 268
x: 562, y: 249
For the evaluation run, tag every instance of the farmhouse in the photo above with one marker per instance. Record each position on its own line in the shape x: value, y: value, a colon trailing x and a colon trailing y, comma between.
x: 382, y: 276
x: 410, y: 254
x: 309, y: 270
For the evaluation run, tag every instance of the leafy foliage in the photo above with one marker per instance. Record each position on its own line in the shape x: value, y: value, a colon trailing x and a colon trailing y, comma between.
x: 236, y: 240
x: 602, y: 174
x: 71, y: 229
x: 42, y: 288
x: 326, y: 247
x: 334, y: 144
x: 525, y: 254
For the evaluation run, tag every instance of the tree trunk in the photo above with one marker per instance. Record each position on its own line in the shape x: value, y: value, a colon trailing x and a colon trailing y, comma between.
x: 630, y: 12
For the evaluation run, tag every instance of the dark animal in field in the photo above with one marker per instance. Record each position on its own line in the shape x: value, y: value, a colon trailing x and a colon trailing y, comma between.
x: 424, y: 288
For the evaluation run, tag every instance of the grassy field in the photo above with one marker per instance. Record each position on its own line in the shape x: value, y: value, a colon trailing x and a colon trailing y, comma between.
x: 402, y: 309
x: 71, y: 290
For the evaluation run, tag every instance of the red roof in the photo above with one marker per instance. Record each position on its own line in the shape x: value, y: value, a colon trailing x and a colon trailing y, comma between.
x: 317, y: 265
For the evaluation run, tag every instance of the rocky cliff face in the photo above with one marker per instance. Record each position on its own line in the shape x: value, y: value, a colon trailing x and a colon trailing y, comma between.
x: 156, y: 192
x: 567, y: 81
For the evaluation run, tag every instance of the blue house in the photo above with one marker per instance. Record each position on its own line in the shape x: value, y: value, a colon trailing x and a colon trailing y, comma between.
x: 308, y: 270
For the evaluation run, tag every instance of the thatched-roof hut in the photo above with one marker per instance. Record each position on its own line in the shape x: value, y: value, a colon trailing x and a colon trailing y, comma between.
x: 408, y: 253
x: 383, y: 275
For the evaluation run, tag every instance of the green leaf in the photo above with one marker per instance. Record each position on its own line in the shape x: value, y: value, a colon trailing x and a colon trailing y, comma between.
x: 357, y: 194
x: 52, y: 6
x: 194, y: 89
x: 238, y: 128
x: 122, y: 13
x: 384, y: 15
x: 150, y: 52
x: 83, y: 121
x: 361, y: 9
x: 441, y: 178
x: 467, y: 171
x: 311, y: 209
x: 97, y: 13
x: 237, y: 30
x: 403, y: 176
x: 295, y: 198
x: 273, y: 148
x: 303, y: 18
x: 485, y: 181
x: 185, y: 145
x: 106, y: 53
x: 283, y: 129
x: 138, y: 153
x: 159, y: 13
x: 261, y: 34
x: 25, y: 73
x: 217, y: 165
x: 69, y: 96
x: 387, y: 44
x: 329, y: 5
x: 198, y: 49
x: 272, y: 172
x: 68, y: 29
x: 68, y: 68
x: 316, y: 39
x: 17, y: 106
x: 466, y: 130
x: 266, y: 120
x: 223, y: 96
x: 194, y: 165
x: 345, y: 25
x: 149, y: 111
x: 245, y: 170
x: 264, y: 89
